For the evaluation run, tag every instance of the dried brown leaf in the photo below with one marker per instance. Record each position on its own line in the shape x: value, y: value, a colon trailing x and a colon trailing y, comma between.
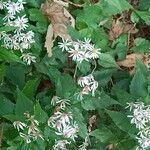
x: 130, y: 60
x: 49, y: 40
x: 59, y: 18
x: 92, y: 121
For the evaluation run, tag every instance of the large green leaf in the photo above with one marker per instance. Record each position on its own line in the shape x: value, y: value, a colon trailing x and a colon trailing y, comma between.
x: 103, y: 134
x: 6, y: 106
x: 40, y: 114
x: 122, y: 122
x: 112, y: 7
x: 141, y: 45
x: 30, y: 88
x: 144, y: 15
x: 107, y: 61
x: 8, y: 56
x: 23, y: 104
x: 139, y: 83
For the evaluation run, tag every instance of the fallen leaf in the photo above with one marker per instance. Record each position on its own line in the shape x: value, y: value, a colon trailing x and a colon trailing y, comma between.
x: 130, y: 60
x: 92, y: 121
x: 59, y: 19
x: 49, y: 40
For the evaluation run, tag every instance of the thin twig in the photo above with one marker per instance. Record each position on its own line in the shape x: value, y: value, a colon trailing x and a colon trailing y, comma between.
x: 75, y: 72
x: 95, y: 66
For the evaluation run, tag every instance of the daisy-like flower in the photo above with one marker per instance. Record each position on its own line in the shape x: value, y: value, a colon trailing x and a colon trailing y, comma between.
x: 52, y: 122
x: 144, y: 142
x: 13, y: 7
x: 76, y: 54
x: 63, y: 103
x: 54, y: 100
x: 1, y: 4
x: 21, y: 23
x: 86, y: 44
x: 28, y: 37
x: 32, y: 128
x: 19, y: 125
x: 27, y: 138
x: 64, y: 45
x: 36, y: 135
x: 8, y: 19
x: 69, y: 132
x: 28, y: 58
x: 21, y: 3
x: 93, y: 52
x: 60, y: 144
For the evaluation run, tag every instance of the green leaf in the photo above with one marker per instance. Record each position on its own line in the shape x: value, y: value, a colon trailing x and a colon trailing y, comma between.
x: 30, y: 88
x: 84, y: 67
x: 134, y: 17
x: 144, y: 5
x: 104, y: 101
x: 95, y: 15
x: 139, y: 83
x: 104, y: 75
x: 40, y: 114
x: 88, y: 103
x: 115, y: 6
x: 141, y: 45
x: 144, y: 15
x: 65, y: 86
x: 6, y: 106
x: 9, y: 56
x: 2, y: 72
x: 107, y: 61
x: 122, y: 122
x: 104, y: 134
x: 36, y: 15
x: 16, y: 75
x: 7, y: 28
x: 23, y: 104
x: 126, y: 144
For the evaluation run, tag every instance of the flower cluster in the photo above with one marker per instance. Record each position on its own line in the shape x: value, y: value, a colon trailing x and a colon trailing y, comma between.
x: 88, y: 84
x: 80, y: 50
x: 141, y: 118
x: 63, y: 122
x: 20, y: 38
x: 31, y: 129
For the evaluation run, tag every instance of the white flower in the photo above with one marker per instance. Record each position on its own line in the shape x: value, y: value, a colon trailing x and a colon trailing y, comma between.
x: 28, y: 58
x: 93, y: 87
x: 86, y: 44
x: 19, y: 125
x: 1, y: 4
x: 60, y: 144
x: 21, y: 23
x: 36, y: 135
x: 77, y: 54
x: 21, y: 3
x: 28, y: 37
x: 93, y: 52
x: 32, y: 128
x: 8, y: 19
x: 144, y: 142
x: 63, y: 103
x: 25, y: 137
x: 52, y: 122
x: 69, y: 132
x: 13, y: 7
x: 54, y: 100
x: 84, y: 145
x: 64, y: 45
